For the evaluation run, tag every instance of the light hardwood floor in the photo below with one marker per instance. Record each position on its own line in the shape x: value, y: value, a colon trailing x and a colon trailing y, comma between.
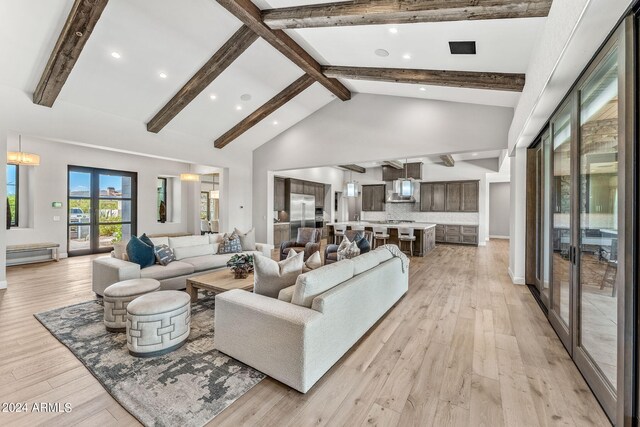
x: 464, y: 347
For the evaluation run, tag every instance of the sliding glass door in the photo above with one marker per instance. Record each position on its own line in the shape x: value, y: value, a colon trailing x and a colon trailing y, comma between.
x: 102, y: 209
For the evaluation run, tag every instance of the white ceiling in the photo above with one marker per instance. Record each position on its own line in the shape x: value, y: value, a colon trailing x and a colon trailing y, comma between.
x: 177, y: 38
x: 458, y: 157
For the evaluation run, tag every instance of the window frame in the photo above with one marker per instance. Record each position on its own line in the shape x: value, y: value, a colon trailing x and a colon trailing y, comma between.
x: 164, y: 195
x: 14, y: 222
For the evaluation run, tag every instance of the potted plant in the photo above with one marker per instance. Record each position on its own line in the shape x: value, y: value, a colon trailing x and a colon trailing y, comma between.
x: 241, y: 265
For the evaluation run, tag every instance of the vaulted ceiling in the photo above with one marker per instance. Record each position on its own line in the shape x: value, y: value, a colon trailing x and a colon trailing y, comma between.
x: 176, y: 38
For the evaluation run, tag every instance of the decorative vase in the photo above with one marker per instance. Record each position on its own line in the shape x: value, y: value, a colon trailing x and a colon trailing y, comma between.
x: 240, y: 274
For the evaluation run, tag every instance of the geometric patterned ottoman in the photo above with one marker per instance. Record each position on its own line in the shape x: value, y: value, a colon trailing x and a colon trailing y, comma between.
x: 158, y: 323
x: 119, y: 295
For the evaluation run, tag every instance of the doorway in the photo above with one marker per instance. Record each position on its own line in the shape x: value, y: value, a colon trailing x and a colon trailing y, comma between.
x: 102, y: 209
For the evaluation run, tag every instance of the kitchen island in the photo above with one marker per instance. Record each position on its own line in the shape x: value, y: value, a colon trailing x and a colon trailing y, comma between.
x: 425, y: 233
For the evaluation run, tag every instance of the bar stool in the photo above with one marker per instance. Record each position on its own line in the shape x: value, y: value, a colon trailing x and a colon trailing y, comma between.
x: 380, y: 233
x: 406, y: 235
x: 357, y: 227
x: 338, y: 231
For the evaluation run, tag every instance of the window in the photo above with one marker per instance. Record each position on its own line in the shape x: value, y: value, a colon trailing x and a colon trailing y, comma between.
x: 161, y: 199
x: 12, y: 193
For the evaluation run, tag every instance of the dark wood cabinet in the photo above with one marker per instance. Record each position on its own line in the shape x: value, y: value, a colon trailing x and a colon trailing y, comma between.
x: 278, y: 194
x: 373, y: 198
x: 452, y: 233
x: 413, y: 170
x: 470, y: 196
x: 453, y: 196
x: 439, y: 195
x: 280, y: 234
x: 319, y: 193
x: 297, y: 187
x: 426, y: 197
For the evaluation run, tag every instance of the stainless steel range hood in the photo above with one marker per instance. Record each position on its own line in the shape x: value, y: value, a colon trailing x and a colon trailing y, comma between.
x: 394, y: 195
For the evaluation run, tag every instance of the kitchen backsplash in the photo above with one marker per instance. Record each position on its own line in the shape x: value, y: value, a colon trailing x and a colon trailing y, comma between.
x: 411, y: 211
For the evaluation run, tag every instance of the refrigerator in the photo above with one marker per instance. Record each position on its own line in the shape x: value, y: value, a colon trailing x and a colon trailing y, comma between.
x: 302, y: 212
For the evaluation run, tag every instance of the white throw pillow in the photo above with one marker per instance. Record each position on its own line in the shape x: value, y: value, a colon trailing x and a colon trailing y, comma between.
x: 247, y: 240
x: 351, y: 251
x: 271, y: 276
x: 313, y: 262
x: 216, y: 237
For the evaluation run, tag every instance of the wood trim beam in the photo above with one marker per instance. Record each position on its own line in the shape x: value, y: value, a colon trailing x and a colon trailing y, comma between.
x: 269, y: 107
x: 376, y: 12
x: 82, y: 19
x: 354, y: 168
x: 251, y: 16
x: 229, y: 52
x: 464, y: 79
x: 448, y: 160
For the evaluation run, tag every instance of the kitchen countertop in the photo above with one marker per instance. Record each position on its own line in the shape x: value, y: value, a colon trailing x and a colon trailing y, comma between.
x: 416, y: 225
x: 281, y: 223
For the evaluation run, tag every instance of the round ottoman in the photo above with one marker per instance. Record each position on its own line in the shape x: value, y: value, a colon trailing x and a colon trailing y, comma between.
x: 119, y: 295
x: 158, y: 323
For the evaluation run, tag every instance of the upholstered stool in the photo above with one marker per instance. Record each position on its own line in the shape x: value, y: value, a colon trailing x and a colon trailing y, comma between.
x: 158, y: 323
x: 119, y: 295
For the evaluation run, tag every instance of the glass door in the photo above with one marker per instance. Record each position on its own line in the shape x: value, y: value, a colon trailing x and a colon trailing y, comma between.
x: 102, y: 209
x: 560, y: 222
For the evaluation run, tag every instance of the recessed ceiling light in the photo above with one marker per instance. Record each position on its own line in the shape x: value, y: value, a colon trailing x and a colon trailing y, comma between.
x: 115, y: 55
x: 213, y: 97
x: 163, y: 75
x: 406, y: 56
x: 245, y: 97
x: 381, y: 52
x: 238, y: 107
x: 422, y: 89
x: 474, y: 154
x: 275, y: 122
x: 393, y: 30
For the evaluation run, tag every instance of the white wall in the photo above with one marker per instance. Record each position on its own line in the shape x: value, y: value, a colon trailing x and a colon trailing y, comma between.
x: 47, y: 183
x: 79, y: 125
x: 499, y: 206
x: 463, y: 170
x: 517, y: 216
x: 374, y: 128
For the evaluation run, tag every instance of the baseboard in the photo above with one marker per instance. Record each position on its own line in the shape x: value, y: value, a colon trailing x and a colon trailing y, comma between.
x: 63, y: 255
x: 3, y: 284
x: 515, y: 280
x: 498, y: 237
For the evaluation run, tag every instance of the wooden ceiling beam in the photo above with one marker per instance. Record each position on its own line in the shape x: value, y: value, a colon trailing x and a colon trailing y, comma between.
x: 229, y: 52
x: 251, y: 16
x: 463, y: 79
x: 376, y: 12
x: 269, y: 107
x: 354, y: 168
x: 82, y: 19
x: 447, y: 160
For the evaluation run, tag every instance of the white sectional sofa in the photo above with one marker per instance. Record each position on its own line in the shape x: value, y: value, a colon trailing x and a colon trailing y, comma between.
x: 194, y: 255
x: 299, y: 336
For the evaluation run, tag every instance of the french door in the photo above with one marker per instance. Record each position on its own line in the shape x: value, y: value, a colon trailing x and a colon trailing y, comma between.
x: 102, y: 208
x: 584, y: 222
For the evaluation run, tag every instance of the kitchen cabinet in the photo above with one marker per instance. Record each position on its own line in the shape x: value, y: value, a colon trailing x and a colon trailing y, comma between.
x: 278, y: 194
x: 373, y: 198
x: 319, y: 193
x: 280, y: 234
x: 297, y: 187
x: 469, y: 197
x: 432, y: 196
x: 413, y: 170
x: 454, y: 233
x: 453, y: 196
x: 426, y: 197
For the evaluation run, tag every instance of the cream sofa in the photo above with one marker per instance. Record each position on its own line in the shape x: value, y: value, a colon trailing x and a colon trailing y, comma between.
x: 194, y: 255
x: 330, y: 309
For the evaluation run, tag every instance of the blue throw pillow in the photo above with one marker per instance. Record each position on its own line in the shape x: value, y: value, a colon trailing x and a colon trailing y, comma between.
x: 146, y: 240
x: 140, y: 253
x: 363, y: 244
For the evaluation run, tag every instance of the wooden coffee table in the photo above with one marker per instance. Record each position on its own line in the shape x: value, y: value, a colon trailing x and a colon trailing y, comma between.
x: 217, y: 281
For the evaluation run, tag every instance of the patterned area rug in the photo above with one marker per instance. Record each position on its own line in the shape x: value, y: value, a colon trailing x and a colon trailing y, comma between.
x: 187, y: 387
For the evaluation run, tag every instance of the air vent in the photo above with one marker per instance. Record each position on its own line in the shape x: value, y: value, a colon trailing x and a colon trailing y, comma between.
x: 462, y: 48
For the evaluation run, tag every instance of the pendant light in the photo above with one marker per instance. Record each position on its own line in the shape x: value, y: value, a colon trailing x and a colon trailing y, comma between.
x: 351, y: 187
x: 21, y: 158
x: 189, y: 177
x: 404, y: 186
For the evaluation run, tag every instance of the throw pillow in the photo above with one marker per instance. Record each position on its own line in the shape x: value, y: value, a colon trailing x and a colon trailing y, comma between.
x: 230, y: 244
x: 351, y: 251
x: 140, y: 253
x: 270, y: 276
x: 247, y: 240
x: 313, y: 262
x: 147, y: 241
x: 363, y: 244
x: 344, y: 244
x: 164, y: 254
